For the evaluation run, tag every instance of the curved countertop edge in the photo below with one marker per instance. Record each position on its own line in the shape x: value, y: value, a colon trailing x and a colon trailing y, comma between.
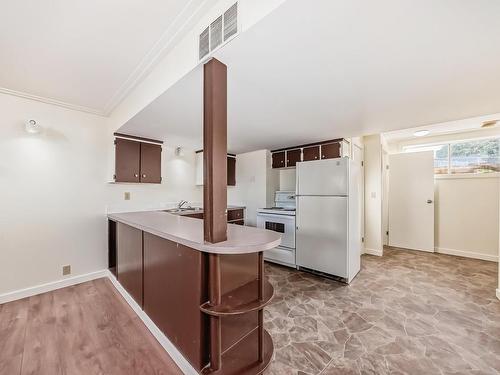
x: 189, y: 232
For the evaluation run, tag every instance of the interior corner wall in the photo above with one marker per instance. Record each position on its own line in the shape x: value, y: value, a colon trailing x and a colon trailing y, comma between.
x: 53, y: 196
x: 373, y: 194
x: 251, y: 188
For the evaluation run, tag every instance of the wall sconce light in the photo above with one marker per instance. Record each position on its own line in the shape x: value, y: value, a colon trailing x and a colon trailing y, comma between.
x: 179, y: 151
x: 33, y: 127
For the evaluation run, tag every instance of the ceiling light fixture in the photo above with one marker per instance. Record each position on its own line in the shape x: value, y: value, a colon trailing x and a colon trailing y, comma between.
x: 421, y: 133
x: 179, y: 151
x: 33, y: 127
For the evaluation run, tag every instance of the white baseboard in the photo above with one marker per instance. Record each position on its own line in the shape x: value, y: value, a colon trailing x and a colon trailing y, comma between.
x: 48, y: 287
x: 467, y: 254
x: 374, y: 252
x: 170, y: 348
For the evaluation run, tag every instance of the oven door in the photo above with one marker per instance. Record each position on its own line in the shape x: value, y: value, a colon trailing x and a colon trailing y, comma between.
x: 283, y: 224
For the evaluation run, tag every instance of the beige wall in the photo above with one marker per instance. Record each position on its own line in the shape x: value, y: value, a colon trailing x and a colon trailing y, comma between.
x: 467, y: 217
x: 466, y: 207
x: 287, y: 179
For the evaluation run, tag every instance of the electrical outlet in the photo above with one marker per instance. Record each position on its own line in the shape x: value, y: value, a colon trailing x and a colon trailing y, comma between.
x: 126, y: 196
x: 66, y: 270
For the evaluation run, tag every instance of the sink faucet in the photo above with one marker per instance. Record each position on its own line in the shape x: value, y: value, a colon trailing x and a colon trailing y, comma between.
x: 181, y: 203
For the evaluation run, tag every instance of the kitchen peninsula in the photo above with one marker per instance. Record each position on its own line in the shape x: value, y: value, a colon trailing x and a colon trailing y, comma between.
x: 185, y: 285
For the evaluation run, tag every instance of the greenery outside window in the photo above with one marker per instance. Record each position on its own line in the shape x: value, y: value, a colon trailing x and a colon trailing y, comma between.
x: 463, y: 157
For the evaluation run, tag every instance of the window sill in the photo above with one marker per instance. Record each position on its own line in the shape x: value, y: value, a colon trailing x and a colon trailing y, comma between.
x: 459, y: 176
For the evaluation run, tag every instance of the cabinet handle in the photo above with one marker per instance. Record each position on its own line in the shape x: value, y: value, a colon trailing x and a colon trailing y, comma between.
x: 143, y: 176
x: 136, y: 175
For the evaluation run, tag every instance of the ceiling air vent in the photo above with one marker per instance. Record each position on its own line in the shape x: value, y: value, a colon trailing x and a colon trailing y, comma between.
x: 231, y: 22
x: 204, y: 43
x: 216, y: 33
x: 219, y: 31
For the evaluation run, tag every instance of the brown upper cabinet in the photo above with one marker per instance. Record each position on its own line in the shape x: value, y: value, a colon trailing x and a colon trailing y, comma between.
x: 137, y: 161
x: 231, y: 170
x: 293, y: 157
x: 330, y: 150
x: 289, y: 157
x: 279, y: 159
x: 311, y: 153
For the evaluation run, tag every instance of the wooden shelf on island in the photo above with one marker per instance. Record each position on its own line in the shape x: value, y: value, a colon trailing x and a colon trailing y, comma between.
x: 241, y: 300
x: 242, y: 358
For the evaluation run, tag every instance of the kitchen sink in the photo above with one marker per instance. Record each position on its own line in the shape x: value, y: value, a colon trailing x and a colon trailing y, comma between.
x: 184, y: 209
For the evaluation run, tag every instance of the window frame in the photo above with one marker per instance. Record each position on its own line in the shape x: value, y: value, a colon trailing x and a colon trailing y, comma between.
x: 448, y: 144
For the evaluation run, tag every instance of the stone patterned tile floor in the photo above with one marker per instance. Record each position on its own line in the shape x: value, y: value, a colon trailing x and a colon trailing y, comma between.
x: 407, y: 312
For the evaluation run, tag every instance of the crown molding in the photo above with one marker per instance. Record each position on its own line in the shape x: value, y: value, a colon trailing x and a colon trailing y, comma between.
x: 58, y: 103
x: 166, y: 42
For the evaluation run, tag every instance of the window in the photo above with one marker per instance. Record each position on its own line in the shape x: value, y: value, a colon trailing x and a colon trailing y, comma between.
x: 471, y: 156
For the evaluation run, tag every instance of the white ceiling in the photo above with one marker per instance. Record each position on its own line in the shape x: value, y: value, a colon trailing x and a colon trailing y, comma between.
x: 348, y: 68
x: 473, y: 124
x: 88, y: 54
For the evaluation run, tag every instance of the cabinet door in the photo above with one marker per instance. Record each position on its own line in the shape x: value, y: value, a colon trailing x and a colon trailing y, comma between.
x: 293, y: 157
x: 231, y: 171
x: 235, y: 214
x: 174, y: 289
x: 150, y: 163
x: 127, y: 160
x: 279, y: 159
x: 311, y: 153
x: 129, y: 260
x: 330, y: 150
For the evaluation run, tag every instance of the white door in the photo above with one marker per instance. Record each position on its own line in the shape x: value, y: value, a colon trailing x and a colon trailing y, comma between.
x: 321, y: 236
x: 411, y: 200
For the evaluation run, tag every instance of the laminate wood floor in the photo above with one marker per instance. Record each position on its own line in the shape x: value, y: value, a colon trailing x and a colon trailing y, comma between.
x: 83, y: 329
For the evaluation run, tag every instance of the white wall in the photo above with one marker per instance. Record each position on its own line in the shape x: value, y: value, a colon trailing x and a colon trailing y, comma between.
x: 52, y: 195
x: 255, y: 183
x: 373, y: 194
x: 178, y: 183
x: 287, y: 179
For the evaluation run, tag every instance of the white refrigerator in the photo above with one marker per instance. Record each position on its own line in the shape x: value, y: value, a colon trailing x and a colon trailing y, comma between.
x: 328, y: 223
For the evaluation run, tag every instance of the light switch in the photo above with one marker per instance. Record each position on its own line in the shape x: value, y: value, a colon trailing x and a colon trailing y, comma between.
x: 126, y: 196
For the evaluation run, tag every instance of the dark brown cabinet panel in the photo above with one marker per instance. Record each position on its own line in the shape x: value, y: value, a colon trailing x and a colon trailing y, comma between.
x: 231, y: 171
x: 150, y: 163
x: 293, y: 157
x: 279, y: 159
x: 196, y: 215
x: 311, y: 153
x: 127, y: 160
x: 137, y: 161
x: 173, y: 293
x: 235, y: 214
x: 129, y: 260
x: 330, y: 150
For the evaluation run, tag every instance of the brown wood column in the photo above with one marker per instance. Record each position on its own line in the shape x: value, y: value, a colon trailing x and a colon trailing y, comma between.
x: 215, y: 151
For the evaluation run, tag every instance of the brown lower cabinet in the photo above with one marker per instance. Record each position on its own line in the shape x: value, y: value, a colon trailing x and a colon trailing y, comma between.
x: 129, y: 260
x: 174, y: 289
x: 175, y: 295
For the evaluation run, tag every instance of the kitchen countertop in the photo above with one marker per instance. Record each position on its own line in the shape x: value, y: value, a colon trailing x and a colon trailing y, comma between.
x: 189, y: 232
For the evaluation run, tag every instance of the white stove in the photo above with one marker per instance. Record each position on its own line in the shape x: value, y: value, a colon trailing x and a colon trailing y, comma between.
x: 281, y: 219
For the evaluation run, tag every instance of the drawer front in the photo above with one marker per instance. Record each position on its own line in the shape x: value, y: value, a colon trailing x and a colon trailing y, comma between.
x: 237, y: 214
